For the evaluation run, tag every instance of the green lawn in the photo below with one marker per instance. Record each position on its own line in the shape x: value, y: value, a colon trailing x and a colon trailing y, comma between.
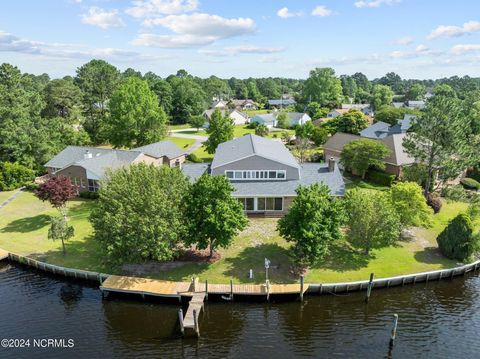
x: 24, y: 225
x: 203, y: 154
x: 5, y: 195
x: 253, y: 113
x: 178, y: 127
x: 183, y: 143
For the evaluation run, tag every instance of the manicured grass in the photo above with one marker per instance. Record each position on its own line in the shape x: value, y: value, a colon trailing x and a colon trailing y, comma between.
x: 178, y: 127
x: 253, y: 113
x: 203, y: 154
x: 183, y: 143
x: 4, y: 195
x: 24, y: 224
x: 200, y: 132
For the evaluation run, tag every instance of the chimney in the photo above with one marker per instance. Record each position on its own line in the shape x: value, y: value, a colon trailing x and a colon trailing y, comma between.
x: 87, y: 155
x: 331, y: 164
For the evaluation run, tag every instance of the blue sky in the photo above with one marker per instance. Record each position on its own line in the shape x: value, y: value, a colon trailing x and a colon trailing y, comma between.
x: 259, y: 38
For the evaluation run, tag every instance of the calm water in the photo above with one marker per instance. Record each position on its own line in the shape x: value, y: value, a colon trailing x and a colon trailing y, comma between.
x: 438, y: 320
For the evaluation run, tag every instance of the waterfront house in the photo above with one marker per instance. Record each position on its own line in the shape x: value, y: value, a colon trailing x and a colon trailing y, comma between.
x: 220, y: 104
x: 391, y: 136
x: 265, y: 174
x: 270, y: 119
x: 86, y: 166
x: 238, y: 118
x: 243, y: 105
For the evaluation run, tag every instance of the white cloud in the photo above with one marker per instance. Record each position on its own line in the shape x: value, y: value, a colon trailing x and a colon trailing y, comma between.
x: 465, y: 49
x: 241, y: 49
x: 102, y: 18
x: 374, y: 3
x: 12, y: 43
x: 454, y: 31
x: 285, y: 13
x: 321, y: 11
x: 407, y: 40
x: 194, y: 30
x: 152, y: 8
x: 268, y: 59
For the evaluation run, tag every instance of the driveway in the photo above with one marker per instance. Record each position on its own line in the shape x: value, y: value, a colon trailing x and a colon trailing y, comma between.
x: 198, y: 139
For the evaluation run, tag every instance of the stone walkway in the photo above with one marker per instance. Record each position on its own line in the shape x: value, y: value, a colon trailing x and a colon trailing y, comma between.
x: 11, y: 198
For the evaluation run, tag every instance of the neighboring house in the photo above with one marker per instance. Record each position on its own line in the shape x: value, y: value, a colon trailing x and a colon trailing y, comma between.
x: 281, y: 103
x: 398, y: 104
x: 239, y: 118
x: 243, y: 105
x: 265, y: 174
x: 365, y: 108
x: 391, y: 136
x: 270, y: 119
x: 220, y: 104
x: 337, y: 112
x: 415, y: 104
x: 86, y: 166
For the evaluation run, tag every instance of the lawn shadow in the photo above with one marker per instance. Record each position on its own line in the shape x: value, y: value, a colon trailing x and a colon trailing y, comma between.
x: 28, y: 224
x: 431, y: 255
x: 254, y: 258
x: 343, y: 258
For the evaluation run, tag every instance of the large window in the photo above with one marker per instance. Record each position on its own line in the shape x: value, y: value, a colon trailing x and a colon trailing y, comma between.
x: 247, y: 203
x: 270, y: 204
x: 93, y: 185
x: 255, y: 175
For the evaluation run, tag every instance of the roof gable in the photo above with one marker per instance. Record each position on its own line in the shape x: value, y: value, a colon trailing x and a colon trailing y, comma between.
x: 161, y: 148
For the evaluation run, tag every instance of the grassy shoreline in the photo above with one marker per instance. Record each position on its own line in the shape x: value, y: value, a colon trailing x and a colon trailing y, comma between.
x: 24, y: 225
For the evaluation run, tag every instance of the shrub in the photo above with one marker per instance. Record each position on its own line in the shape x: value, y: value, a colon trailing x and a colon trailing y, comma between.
x: 470, y: 183
x: 89, y: 195
x: 14, y: 175
x: 381, y: 178
x: 32, y: 186
x: 474, y: 173
x: 457, y: 241
x: 435, y: 202
x: 454, y: 193
x: 192, y: 157
x: 252, y: 125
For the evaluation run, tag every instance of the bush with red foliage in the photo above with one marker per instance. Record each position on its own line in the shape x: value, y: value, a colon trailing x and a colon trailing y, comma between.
x: 57, y: 190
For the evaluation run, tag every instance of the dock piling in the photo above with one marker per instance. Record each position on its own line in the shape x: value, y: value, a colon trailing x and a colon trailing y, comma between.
x: 267, y: 284
x: 231, y: 290
x: 369, y: 288
x: 180, y: 319
x: 195, y: 321
x: 394, y: 330
x: 206, y: 289
x: 301, y: 287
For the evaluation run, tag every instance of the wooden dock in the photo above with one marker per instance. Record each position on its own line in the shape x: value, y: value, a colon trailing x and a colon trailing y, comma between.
x: 3, y: 254
x: 190, y: 322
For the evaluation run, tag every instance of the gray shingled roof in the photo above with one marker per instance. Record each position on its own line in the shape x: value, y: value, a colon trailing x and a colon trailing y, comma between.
x: 250, y: 145
x: 397, y: 156
x: 381, y: 129
x: 282, y: 102
x: 97, y: 166
x: 162, y: 148
x: 71, y: 154
x: 310, y: 173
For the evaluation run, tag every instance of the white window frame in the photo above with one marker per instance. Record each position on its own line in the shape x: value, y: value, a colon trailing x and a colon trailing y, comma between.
x: 95, y: 187
x: 255, y: 175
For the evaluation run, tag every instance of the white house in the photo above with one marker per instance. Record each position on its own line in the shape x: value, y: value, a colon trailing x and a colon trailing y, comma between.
x: 270, y: 119
x: 239, y: 118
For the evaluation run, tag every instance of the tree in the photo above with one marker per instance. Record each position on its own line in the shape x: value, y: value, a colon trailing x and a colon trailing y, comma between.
x: 457, y: 241
x: 261, y: 130
x: 188, y: 99
x: 163, y: 90
x: 60, y: 230
x: 437, y: 139
x: 98, y: 80
x: 14, y: 175
x: 305, y: 130
x: 359, y: 155
x: 315, y: 111
x: 372, y: 219
x: 214, y: 216
x: 349, y: 86
x: 216, y: 88
x: 319, y: 136
x: 197, y: 121
x: 410, y: 204
x: 140, y: 214
x: 362, y: 81
x: 219, y: 130
x: 63, y: 99
x: 136, y: 119
x: 283, y: 121
x: 57, y: 191
x: 323, y: 87
x: 391, y: 115
x: 393, y: 81
x: 312, y: 224
x: 382, y: 95
x: 415, y: 92
x: 352, y: 122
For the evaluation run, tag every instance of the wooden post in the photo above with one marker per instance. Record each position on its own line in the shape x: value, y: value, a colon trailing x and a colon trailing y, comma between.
x: 394, y: 329
x: 369, y: 288
x: 267, y: 283
x: 206, y: 289
x: 231, y: 290
x: 301, y: 287
x: 195, y: 322
x: 180, y: 319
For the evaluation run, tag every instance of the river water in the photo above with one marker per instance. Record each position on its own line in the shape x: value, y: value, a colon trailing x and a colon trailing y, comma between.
x: 436, y: 320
